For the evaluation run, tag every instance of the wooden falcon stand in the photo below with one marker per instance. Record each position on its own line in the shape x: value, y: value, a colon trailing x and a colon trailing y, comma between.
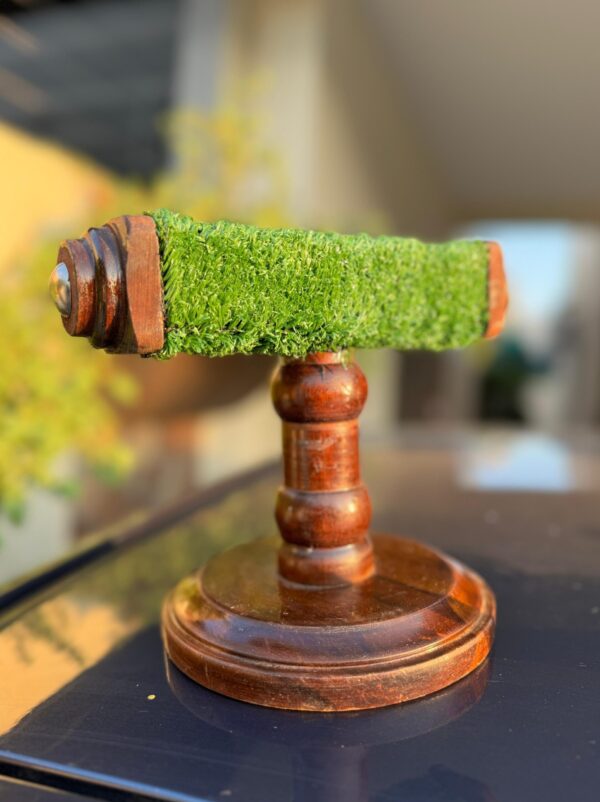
x: 329, y: 616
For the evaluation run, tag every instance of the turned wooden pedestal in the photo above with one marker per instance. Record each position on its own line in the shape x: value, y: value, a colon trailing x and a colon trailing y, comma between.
x: 331, y: 617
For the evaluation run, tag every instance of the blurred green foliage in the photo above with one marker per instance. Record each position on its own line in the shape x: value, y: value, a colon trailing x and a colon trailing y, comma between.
x: 56, y: 393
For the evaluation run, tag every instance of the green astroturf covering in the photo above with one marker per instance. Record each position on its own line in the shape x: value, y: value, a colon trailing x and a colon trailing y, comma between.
x: 238, y: 289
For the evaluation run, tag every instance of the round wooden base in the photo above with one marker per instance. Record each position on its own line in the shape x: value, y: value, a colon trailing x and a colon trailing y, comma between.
x: 420, y: 623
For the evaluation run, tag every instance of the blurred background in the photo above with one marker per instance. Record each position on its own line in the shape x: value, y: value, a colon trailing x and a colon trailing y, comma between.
x: 437, y: 120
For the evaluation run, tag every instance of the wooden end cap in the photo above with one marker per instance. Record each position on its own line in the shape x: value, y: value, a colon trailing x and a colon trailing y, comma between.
x: 497, y: 292
x: 116, y: 286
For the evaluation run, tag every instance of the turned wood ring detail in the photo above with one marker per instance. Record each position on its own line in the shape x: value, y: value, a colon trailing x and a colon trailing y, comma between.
x: 323, y: 509
x: 116, y: 286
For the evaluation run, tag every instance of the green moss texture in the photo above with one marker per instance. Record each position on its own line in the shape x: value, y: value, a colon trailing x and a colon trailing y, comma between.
x: 239, y: 289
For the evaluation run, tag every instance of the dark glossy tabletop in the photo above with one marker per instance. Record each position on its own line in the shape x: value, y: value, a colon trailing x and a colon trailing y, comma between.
x: 18, y: 791
x: 86, y: 697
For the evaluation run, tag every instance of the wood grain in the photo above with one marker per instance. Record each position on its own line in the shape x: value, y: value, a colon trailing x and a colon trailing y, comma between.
x: 323, y: 510
x: 497, y: 292
x: 116, y: 286
x: 419, y: 624
x: 328, y: 618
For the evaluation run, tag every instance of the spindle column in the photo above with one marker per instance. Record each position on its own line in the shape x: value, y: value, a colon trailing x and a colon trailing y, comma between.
x: 323, y: 509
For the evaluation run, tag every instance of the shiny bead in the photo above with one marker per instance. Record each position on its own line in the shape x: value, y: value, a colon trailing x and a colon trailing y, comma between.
x: 60, y: 289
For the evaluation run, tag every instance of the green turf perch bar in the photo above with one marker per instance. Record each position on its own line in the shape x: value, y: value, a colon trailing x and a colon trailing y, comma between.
x: 164, y: 284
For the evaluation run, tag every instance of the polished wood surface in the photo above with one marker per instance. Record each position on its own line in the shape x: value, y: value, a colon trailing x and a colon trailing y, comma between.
x: 419, y: 624
x: 323, y: 510
x: 497, y: 292
x: 116, y: 286
x: 328, y: 618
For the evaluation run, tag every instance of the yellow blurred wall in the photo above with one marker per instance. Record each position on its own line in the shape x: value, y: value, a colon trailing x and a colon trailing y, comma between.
x: 43, y: 187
